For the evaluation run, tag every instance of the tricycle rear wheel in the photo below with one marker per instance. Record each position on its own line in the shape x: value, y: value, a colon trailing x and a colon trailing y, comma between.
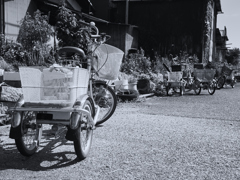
x: 211, y: 88
x: 106, y: 99
x: 197, y: 87
x: 181, y: 90
x: 28, y: 143
x: 220, y: 82
x: 84, y: 133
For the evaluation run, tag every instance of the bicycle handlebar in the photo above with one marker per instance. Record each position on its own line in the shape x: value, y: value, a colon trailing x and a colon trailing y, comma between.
x: 96, y: 36
x: 91, y: 25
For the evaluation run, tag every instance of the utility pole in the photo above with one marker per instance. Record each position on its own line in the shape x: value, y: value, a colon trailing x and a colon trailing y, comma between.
x: 126, y: 15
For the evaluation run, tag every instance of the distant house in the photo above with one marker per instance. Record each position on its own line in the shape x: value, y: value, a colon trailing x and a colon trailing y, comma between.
x: 221, y: 41
x: 168, y: 26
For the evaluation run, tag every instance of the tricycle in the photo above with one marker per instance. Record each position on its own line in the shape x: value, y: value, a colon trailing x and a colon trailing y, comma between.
x: 67, y: 95
x: 175, y: 82
x: 227, y: 77
x: 205, y: 78
x: 190, y: 82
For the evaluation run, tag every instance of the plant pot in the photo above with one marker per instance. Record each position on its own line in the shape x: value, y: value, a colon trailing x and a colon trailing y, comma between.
x: 132, y: 86
x: 143, y: 86
x: 128, y: 95
x: 121, y: 85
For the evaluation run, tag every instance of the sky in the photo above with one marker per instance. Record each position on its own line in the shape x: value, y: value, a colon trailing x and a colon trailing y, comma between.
x: 231, y: 19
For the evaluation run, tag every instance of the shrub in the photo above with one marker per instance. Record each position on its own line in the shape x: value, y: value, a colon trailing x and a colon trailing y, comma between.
x: 136, y: 63
x: 14, y: 54
x: 33, y: 35
x: 34, y: 31
x: 4, y: 65
x: 70, y: 32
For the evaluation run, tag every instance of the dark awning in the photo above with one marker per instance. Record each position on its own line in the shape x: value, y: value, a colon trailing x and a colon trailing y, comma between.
x: 90, y: 17
x: 94, y: 18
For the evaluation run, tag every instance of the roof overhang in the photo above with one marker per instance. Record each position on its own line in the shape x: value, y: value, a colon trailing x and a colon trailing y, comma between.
x: 78, y: 12
x: 94, y: 18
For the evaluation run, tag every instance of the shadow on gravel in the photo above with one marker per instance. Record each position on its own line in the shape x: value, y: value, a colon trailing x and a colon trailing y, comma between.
x: 52, y: 154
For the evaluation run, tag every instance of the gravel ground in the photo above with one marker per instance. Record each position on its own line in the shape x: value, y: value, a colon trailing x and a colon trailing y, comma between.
x: 189, y: 137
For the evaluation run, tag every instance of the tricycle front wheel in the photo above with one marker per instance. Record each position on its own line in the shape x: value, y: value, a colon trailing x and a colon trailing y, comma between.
x: 197, y: 87
x: 84, y: 133
x: 211, y: 88
x: 28, y: 143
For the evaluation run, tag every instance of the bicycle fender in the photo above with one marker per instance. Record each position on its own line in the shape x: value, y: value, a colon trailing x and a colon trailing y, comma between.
x: 81, y: 100
x: 100, y: 82
x: 72, y: 134
x: 16, y: 133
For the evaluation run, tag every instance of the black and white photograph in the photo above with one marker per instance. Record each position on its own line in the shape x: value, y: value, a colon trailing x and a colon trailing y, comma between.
x: 120, y: 89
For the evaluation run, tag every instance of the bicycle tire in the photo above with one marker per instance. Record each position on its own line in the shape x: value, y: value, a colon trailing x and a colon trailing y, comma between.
x: 110, y: 98
x: 211, y: 88
x: 220, y: 82
x: 25, y: 145
x: 181, y: 90
x: 83, y: 143
x: 197, y: 87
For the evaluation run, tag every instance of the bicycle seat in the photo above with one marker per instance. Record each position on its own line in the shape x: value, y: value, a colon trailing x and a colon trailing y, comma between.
x: 70, y: 51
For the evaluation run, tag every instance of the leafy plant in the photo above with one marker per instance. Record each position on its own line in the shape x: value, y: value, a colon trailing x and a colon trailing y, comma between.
x: 34, y: 30
x: 14, y: 54
x: 4, y: 65
x: 233, y: 55
x: 160, y: 89
x: 70, y: 32
x: 132, y: 79
x: 34, y: 33
x: 137, y: 62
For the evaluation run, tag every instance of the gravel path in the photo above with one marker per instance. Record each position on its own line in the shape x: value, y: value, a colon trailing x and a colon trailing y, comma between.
x: 189, y: 137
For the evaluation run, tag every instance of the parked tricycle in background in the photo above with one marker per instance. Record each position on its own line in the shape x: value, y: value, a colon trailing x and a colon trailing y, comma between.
x: 205, y: 77
x: 175, y: 81
x: 190, y: 82
x: 226, y: 78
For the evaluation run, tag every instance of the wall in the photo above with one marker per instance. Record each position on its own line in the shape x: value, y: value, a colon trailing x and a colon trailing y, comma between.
x: 101, y: 8
x: 171, y: 27
x: 14, y: 12
x: 123, y: 36
x: 167, y: 27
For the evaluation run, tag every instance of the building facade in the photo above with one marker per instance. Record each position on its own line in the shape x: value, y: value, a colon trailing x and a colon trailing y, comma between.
x: 168, y: 27
x: 221, y: 44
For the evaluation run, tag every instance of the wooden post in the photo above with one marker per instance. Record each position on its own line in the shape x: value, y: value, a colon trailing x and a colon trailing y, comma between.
x: 126, y: 15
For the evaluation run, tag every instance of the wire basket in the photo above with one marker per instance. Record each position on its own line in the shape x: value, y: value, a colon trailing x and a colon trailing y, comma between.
x: 226, y: 71
x: 175, y: 76
x: 108, y: 61
x: 204, y: 74
x: 53, y: 87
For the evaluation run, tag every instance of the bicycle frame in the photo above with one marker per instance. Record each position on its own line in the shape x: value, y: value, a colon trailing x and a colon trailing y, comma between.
x: 77, y: 106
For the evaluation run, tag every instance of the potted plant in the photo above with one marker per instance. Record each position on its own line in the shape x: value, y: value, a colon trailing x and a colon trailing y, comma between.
x: 132, y: 82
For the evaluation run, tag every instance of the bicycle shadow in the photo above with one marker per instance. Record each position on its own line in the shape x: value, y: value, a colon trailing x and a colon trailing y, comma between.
x: 49, y: 156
